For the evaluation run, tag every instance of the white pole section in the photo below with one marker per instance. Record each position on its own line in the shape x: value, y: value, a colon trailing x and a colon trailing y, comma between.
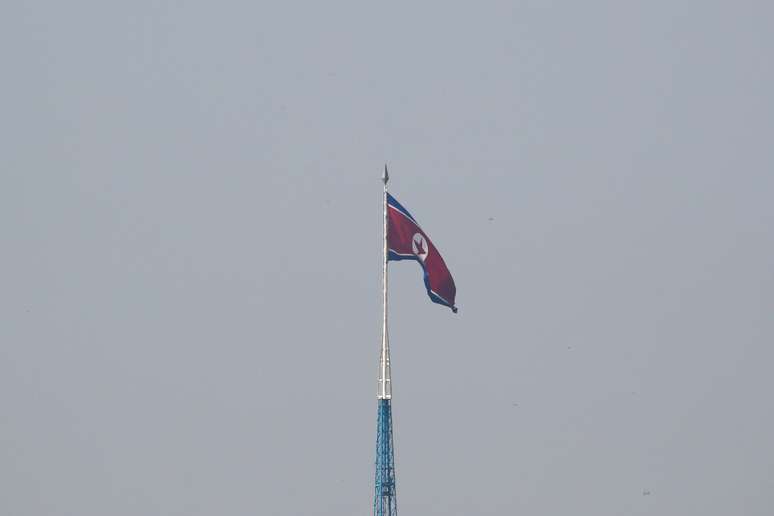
x: 385, y: 380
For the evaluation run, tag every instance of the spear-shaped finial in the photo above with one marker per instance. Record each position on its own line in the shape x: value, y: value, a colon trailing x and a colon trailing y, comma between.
x: 385, y: 176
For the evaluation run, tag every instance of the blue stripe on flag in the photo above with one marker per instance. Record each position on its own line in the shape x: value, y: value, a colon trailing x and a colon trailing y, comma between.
x: 395, y: 204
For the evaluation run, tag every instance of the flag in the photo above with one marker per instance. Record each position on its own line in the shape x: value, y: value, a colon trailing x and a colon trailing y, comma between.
x: 407, y: 241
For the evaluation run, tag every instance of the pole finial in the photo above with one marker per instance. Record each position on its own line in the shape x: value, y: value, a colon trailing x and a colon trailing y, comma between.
x: 386, y: 175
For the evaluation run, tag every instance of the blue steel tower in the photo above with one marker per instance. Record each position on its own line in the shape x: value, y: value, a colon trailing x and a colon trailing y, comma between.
x: 385, y: 501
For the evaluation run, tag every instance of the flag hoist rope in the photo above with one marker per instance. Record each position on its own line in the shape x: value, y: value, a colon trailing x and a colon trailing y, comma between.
x: 385, y: 380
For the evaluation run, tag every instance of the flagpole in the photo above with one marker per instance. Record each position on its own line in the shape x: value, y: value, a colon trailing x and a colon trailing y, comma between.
x: 385, y: 374
x: 385, y: 501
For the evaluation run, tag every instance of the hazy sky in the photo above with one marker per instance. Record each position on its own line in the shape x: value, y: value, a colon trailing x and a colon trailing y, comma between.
x: 190, y: 232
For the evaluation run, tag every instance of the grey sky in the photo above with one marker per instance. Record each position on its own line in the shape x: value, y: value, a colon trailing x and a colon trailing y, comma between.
x: 190, y: 233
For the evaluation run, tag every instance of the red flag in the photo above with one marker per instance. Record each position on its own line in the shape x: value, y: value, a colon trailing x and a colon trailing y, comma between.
x: 407, y: 241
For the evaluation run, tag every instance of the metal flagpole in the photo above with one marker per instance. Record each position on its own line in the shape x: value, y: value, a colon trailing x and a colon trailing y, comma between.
x: 385, y: 502
x: 385, y: 380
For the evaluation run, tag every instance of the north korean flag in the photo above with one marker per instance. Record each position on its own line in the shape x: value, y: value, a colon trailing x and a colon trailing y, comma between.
x: 407, y: 241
